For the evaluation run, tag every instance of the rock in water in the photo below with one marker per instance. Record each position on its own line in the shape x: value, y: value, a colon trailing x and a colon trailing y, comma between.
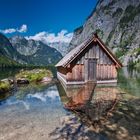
x: 22, y: 81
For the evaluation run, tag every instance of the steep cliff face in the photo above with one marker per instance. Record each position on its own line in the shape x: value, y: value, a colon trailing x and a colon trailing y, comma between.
x: 8, y: 52
x: 117, y: 22
x: 36, y: 52
x: 6, y: 47
x: 24, y: 46
x: 61, y: 47
x: 23, y: 51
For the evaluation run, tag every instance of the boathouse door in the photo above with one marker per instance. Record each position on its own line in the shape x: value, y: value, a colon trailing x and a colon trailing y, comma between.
x: 90, y: 69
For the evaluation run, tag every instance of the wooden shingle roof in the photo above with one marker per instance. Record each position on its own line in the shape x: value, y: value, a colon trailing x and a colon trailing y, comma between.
x: 66, y: 60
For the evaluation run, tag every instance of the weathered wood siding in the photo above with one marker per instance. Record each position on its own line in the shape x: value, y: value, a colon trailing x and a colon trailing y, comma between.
x: 106, y: 72
x: 94, y: 51
x: 105, y: 69
x: 76, y: 73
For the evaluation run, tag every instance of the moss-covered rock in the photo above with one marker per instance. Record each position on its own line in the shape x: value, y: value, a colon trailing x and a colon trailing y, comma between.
x: 35, y: 75
x: 4, y: 86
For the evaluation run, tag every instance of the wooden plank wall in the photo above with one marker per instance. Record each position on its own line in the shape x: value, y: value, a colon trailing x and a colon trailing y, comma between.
x: 106, y: 72
x: 97, y: 52
x: 106, y: 69
x: 77, y: 73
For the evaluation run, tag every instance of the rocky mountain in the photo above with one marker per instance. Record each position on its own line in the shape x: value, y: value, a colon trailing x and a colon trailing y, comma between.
x: 36, y: 52
x: 8, y: 52
x: 23, y: 46
x: 117, y: 22
x: 62, y: 47
x: 5, y: 47
x: 18, y: 50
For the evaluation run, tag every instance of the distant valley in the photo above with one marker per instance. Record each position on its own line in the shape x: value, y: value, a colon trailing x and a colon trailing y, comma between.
x: 22, y: 51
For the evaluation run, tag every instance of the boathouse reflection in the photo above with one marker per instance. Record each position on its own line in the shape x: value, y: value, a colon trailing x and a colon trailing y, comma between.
x: 95, y: 102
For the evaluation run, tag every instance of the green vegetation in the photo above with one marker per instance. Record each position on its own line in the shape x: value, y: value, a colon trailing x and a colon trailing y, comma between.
x: 117, y: 13
x: 107, y: 8
x: 130, y: 13
x: 137, y: 51
x: 123, y: 45
x: 129, y: 84
x: 34, y: 75
x: 7, y: 62
x: 110, y: 36
x: 99, y: 32
x: 25, y: 77
x: 53, y: 69
x: 135, y: 64
x: 4, y: 86
x: 120, y: 53
x: 79, y: 30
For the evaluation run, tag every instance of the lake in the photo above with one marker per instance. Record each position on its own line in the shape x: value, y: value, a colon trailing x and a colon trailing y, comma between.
x: 40, y: 112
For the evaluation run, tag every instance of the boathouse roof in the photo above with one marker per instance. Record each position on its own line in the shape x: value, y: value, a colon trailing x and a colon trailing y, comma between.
x: 66, y: 60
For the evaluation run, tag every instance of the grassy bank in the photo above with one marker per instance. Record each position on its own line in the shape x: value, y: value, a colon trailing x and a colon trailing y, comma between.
x: 34, y: 75
x: 4, y: 86
x: 7, y: 62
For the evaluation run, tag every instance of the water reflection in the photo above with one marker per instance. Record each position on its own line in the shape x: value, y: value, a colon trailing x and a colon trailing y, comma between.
x: 29, y: 94
x: 8, y: 72
x: 32, y: 112
x: 4, y: 96
x: 100, y: 113
x: 93, y: 102
x: 92, y: 111
x: 129, y: 81
x: 131, y: 72
x: 79, y: 96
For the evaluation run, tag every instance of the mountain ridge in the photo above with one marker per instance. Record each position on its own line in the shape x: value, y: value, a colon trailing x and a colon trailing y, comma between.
x: 116, y: 22
x: 36, y: 51
x: 23, y: 51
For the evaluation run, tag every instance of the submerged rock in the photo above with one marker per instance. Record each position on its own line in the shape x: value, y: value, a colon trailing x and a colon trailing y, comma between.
x: 22, y: 81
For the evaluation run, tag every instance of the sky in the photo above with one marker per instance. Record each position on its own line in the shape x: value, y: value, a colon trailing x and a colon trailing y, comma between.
x: 34, y: 18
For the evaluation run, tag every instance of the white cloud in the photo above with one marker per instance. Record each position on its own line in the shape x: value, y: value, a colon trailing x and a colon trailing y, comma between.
x: 62, y: 36
x: 22, y: 29
x: 8, y: 31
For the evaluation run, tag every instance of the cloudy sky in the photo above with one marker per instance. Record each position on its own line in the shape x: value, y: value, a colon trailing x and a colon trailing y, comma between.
x: 52, y: 19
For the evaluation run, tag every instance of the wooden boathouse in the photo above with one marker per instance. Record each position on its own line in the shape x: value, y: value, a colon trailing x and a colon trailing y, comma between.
x: 91, y: 61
